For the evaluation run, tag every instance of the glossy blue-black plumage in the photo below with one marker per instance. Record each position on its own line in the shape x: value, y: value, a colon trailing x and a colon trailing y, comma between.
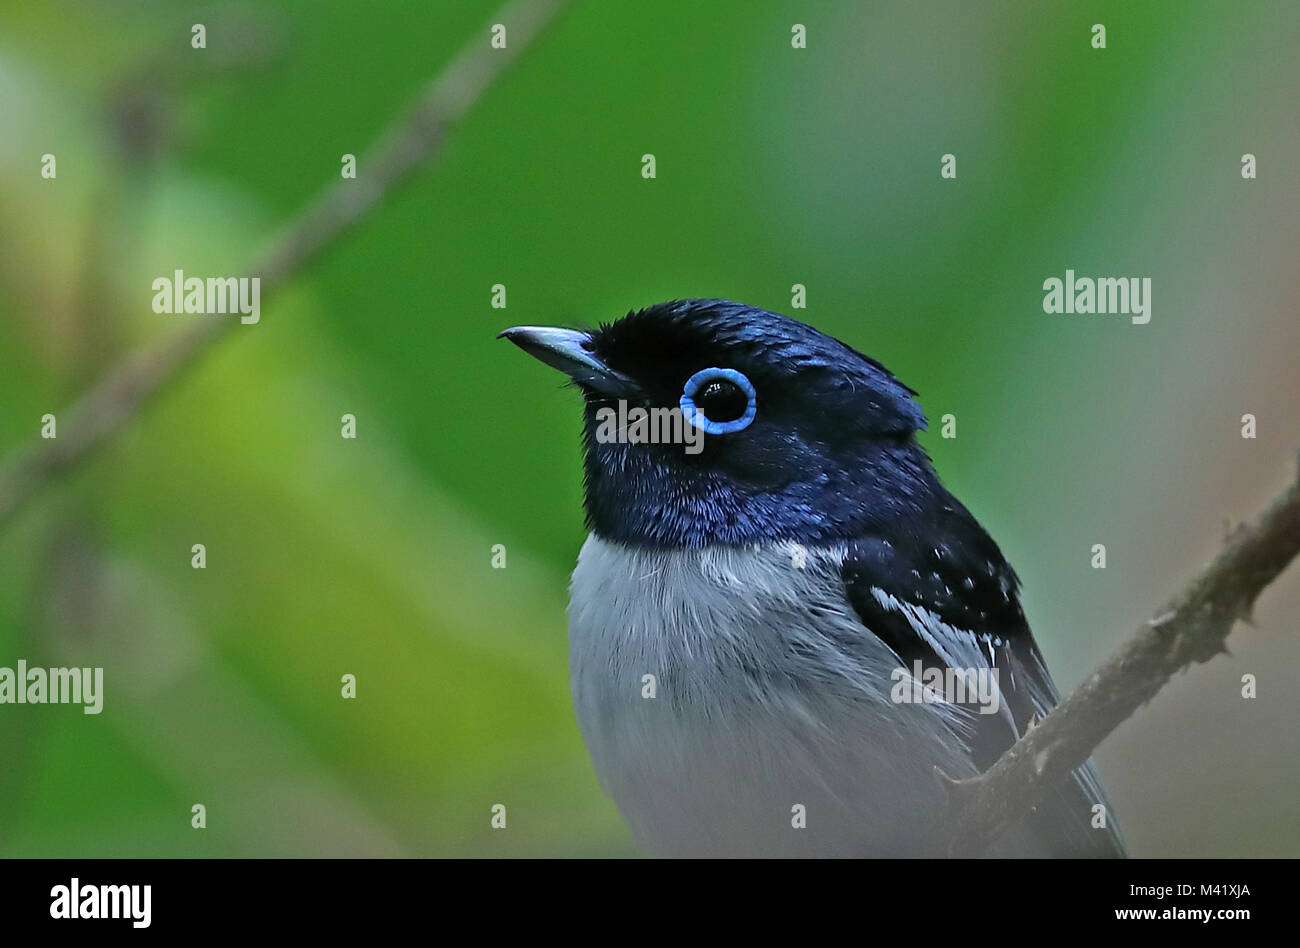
x: 830, y: 453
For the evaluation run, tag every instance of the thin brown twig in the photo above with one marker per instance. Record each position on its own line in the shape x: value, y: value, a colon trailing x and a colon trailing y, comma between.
x: 1193, y: 627
x: 407, y: 145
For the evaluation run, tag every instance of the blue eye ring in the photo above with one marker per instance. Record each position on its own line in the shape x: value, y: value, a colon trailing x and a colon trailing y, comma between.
x: 702, y: 421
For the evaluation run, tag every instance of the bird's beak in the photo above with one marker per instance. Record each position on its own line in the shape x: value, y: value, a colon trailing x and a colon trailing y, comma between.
x: 569, y: 351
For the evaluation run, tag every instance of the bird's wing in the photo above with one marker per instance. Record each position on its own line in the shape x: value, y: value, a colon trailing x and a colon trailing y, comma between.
x: 955, y: 603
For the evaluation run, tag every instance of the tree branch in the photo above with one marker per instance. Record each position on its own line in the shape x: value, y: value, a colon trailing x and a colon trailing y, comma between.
x: 1192, y: 628
x: 407, y: 145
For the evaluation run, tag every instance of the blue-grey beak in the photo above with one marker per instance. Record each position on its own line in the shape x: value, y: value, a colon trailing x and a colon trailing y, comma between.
x: 570, y: 351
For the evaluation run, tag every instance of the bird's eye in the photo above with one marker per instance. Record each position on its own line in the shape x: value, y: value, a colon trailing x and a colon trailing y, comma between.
x: 719, y: 401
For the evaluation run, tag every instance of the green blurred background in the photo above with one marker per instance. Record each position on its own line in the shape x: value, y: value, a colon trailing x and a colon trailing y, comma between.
x: 775, y: 166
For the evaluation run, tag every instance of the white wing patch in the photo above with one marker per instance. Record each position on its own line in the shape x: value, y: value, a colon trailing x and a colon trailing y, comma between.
x: 961, y: 648
x: 958, y: 648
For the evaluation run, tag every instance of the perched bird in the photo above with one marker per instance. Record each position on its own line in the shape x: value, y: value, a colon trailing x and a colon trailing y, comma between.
x: 744, y: 620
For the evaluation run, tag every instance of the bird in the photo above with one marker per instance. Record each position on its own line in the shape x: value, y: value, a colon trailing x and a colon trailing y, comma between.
x: 741, y: 617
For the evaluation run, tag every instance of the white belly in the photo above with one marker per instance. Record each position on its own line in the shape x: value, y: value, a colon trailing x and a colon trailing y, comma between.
x: 768, y: 696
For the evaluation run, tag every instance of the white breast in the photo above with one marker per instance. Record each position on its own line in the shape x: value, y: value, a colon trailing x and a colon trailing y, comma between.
x: 768, y: 695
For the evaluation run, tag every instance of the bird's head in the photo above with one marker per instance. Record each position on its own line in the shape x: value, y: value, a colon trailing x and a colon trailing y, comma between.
x: 775, y: 431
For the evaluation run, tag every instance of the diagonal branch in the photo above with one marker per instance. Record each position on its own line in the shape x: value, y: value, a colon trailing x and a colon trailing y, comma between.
x: 1192, y: 628
x: 407, y: 145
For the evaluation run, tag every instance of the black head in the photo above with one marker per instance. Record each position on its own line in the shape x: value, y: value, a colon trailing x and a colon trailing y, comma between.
x: 785, y: 433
